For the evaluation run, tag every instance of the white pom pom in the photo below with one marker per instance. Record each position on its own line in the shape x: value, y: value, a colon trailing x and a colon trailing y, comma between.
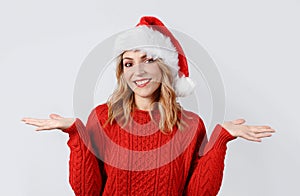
x: 184, y: 86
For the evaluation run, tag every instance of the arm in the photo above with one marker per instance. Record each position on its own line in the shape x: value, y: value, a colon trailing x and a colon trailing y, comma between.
x: 85, y: 169
x: 85, y: 176
x: 207, y: 171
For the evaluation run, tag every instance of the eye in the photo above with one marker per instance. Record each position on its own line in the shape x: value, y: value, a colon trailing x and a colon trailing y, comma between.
x: 127, y: 64
x: 151, y: 60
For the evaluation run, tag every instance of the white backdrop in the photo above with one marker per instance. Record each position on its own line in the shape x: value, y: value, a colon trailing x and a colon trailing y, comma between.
x: 255, y: 45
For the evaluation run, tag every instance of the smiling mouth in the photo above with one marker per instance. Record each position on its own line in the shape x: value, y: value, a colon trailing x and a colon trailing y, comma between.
x: 142, y: 83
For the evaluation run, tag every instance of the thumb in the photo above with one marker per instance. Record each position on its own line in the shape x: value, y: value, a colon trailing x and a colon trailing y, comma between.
x: 238, y: 121
x: 55, y: 116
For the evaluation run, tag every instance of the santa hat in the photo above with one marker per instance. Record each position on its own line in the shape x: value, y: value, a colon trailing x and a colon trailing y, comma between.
x: 152, y: 37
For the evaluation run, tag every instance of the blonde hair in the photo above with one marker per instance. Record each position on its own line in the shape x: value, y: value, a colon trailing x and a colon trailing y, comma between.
x: 121, y: 102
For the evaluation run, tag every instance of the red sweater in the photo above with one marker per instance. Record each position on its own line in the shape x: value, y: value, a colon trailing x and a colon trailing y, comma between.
x: 141, y: 160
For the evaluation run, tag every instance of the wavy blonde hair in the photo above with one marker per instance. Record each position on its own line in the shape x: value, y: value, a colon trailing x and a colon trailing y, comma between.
x: 121, y: 102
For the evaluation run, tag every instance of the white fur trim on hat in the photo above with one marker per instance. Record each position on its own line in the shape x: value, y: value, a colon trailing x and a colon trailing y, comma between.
x: 152, y: 42
x: 184, y: 86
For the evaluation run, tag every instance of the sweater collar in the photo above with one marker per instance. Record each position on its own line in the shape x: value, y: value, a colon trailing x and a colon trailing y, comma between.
x: 145, y: 114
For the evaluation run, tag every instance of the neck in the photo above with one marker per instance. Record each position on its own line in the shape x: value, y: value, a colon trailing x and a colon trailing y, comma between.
x: 143, y: 103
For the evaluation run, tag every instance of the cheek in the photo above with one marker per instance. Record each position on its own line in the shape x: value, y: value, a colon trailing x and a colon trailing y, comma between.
x: 126, y: 76
x: 156, y: 72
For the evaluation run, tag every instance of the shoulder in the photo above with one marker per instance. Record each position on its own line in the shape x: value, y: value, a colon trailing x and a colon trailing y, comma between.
x: 100, y: 112
x: 101, y: 109
x: 190, y: 116
x: 193, y: 121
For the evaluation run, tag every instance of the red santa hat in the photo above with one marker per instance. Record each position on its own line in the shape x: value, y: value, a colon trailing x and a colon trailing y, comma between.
x: 152, y: 37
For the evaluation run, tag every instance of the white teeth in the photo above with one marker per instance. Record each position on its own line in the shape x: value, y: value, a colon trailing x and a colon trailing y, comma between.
x: 141, y: 82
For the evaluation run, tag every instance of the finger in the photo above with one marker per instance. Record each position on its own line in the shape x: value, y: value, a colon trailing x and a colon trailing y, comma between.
x: 249, y: 136
x: 264, y: 130
x: 42, y: 128
x: 55, y: 116
x: 258, y: 136
x: 252, y: 138
x: 256, y: 140
x: 238, y: 121
x: 36, y: 122
x: 259, y: 126
x: 26, y: 119
x: 30, y: 122
x: 46, y: 127
x: 30, y: 119
x: 262, y: 135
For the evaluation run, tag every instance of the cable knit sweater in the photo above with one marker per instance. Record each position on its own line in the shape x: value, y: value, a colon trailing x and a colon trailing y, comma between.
x: 141, y: 160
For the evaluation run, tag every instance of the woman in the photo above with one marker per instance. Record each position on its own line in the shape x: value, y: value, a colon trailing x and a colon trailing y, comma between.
x: 161, y: 148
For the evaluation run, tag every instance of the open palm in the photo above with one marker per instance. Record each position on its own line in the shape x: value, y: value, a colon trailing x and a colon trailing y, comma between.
x: 55, y: 122
x: 237, y: 128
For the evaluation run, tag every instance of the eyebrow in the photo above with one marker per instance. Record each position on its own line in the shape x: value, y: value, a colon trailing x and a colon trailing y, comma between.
x: 142, y: 57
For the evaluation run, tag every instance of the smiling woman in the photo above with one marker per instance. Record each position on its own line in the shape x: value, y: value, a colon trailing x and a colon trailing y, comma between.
x: 142, y: 142
x: 142, y: 75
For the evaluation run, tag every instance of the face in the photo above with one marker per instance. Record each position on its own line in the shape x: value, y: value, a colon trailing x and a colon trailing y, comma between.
x: 141, y: 73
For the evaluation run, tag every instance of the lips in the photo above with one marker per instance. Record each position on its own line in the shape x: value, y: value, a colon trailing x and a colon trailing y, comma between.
x: 142, y: 83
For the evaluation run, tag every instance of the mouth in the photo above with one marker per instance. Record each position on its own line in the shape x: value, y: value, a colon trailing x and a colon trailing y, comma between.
x: 142, y: 83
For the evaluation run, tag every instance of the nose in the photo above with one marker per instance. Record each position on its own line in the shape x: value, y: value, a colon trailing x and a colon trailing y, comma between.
x: 140, y: 69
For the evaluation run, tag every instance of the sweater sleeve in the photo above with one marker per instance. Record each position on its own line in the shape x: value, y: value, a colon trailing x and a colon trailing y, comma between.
x: 84, y: 168
x: 207, y: 170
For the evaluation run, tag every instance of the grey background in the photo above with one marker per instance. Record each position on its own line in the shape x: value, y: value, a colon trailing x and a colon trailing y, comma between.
x: 255, y: 45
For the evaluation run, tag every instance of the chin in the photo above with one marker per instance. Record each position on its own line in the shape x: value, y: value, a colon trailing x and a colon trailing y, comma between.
x: 144, y: 94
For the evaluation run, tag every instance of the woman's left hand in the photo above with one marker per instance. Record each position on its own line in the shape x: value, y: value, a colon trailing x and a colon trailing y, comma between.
x: 237, y: 128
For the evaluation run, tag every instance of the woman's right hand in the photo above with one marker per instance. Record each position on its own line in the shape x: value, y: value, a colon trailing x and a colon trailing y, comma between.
x: 55, y: 122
